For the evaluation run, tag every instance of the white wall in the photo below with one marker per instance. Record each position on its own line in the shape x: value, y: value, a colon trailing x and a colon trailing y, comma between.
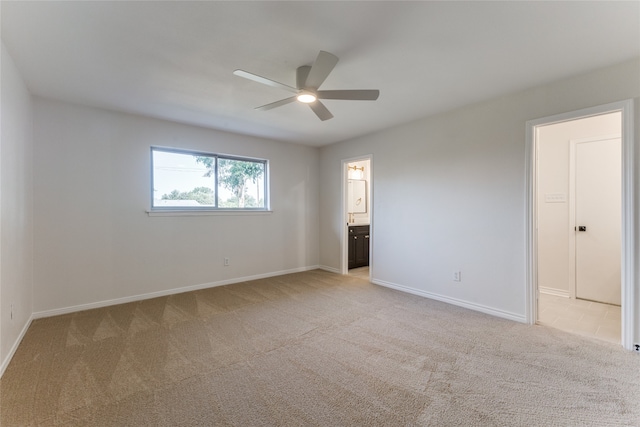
x: 449, y: 193
x: 553, y: 178
x: 16, y: 209
x: 95, y: 243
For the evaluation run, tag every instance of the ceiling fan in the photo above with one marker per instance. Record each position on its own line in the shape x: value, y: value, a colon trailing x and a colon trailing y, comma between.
x: 308, y: 80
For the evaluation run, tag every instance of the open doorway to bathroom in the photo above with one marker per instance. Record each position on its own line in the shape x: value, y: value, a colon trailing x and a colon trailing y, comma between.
x: 356, y: 260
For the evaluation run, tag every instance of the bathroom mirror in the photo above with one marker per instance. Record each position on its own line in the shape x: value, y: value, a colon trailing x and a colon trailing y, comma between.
x: 357, y: 195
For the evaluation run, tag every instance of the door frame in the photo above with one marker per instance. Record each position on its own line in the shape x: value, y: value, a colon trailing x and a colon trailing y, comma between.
x: 344, y: 229
x: 628, y: 255
x: 573, y: 283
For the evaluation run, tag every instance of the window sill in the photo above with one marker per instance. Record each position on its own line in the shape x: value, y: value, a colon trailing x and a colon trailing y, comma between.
x: 223, y: 212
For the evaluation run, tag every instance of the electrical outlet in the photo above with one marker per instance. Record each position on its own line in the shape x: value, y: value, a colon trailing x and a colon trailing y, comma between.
x: 636, y: 348
x: 457, y: 276
x: 226, y: 262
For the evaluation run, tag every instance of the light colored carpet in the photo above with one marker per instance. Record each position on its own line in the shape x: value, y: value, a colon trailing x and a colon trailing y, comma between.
x: 311, y: 349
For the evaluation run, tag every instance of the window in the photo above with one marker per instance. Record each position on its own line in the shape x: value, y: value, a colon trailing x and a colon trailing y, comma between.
x: 189, y: 180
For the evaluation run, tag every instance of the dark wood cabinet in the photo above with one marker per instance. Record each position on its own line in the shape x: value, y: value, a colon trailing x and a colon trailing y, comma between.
x: 358, y: 246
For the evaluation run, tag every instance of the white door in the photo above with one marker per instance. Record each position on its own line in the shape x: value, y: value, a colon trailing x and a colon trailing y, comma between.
x: 597, y: 167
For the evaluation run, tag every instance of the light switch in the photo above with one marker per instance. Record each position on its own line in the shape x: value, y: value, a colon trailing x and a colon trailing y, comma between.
x: 555, y: 198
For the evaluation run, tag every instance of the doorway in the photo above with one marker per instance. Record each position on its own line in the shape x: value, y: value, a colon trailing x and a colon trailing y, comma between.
x: 578, y: 216
x: 357, y: 217
x: 580, y: 259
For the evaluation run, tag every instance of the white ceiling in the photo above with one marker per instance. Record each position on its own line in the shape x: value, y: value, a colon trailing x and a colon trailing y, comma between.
x: 174, y: 60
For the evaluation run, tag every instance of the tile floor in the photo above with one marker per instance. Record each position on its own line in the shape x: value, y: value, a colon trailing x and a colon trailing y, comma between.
x: 361, y: 272
x: 587, y: 318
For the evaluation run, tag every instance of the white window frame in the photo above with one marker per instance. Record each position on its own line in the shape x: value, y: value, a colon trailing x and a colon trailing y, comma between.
x: 207, y: 210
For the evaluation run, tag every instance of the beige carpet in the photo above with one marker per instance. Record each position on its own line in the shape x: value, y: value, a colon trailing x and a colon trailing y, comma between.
x: 311, y: 349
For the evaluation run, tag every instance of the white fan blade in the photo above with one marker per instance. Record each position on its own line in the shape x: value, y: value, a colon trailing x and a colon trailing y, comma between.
x: 320, y: 110
x: 276, y: 104
x: 264, y: 80
x: 354, y: 95
x: 301, y: 75
x: 320, y: 69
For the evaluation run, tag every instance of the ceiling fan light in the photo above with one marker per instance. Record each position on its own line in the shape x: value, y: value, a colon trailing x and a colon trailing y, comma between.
x: 307, y: 98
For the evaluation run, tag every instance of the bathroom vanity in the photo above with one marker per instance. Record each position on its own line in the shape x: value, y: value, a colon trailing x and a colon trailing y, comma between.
x: 358, y: 246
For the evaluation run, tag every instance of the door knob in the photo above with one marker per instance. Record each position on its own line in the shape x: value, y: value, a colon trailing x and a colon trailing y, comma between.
x: 582, y: 228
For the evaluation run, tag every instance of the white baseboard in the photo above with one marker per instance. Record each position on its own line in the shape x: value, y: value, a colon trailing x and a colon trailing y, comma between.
x: 454, y: 301
x: 329, y: 269
x: 140, y: 297
x: 554, y: 291
x: 14, y: 347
